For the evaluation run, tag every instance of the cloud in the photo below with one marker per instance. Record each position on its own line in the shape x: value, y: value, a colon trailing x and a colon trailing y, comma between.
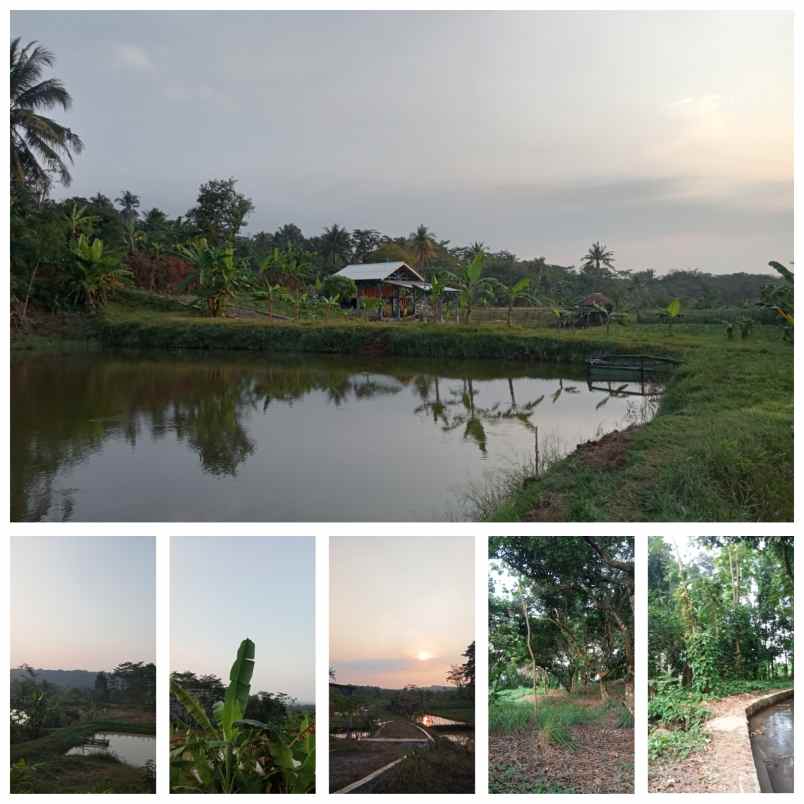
x: 133, y: 56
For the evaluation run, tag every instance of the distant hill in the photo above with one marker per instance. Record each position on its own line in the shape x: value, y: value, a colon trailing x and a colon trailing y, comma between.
x: 71, y: 679
x: 351, y: 689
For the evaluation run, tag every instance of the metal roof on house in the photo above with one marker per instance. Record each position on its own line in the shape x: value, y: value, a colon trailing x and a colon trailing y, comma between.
x: 377, y: 271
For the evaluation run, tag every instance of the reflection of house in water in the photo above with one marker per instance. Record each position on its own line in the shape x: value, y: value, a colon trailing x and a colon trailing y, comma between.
x: 396, y: 283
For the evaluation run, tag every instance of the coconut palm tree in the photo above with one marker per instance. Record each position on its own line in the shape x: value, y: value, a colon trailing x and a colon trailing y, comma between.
x: 336, y: 247
x: 597, y: 256
x: 424, y: 247
x: 39, y: 145
x: 128, y: 203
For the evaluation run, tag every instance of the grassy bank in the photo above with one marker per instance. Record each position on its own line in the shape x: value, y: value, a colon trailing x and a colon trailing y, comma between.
x: 43, y: 767
x: 720, y: 450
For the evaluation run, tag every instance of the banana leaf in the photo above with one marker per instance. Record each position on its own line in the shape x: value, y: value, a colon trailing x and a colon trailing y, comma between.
x: 236, y: 698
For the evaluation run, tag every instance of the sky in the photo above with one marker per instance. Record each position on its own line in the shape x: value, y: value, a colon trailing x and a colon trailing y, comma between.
x: 401, y: 608
x: 229, y: 588
x: 667, y: 135
x: 82, y: 602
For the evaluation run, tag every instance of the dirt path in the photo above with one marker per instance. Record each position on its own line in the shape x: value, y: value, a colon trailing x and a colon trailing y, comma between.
x: 726, y: 765
x: 401, y: 729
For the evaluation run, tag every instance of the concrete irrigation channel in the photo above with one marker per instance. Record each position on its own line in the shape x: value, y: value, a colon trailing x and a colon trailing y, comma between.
x: 770, y: 729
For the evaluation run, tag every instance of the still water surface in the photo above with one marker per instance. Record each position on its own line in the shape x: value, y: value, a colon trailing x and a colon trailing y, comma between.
x: 771, y: 732
x: 133, y: 749
x: 232, y: 437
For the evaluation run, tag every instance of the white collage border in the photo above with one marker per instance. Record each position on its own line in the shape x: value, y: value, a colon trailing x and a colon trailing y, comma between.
x: 323, y: 531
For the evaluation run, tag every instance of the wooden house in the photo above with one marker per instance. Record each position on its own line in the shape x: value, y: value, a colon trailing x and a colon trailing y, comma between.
x: 396, y: 283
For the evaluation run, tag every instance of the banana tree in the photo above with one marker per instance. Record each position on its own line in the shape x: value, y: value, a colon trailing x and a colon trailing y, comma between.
x: 217, y: 274
x: 671, y: 313
x: 94, y: 273
x: 472, y: 284
x: 230, y: 753
x: 520, y: 289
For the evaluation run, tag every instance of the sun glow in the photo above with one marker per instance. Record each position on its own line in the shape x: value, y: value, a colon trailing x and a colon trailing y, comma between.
x: 424, y: 655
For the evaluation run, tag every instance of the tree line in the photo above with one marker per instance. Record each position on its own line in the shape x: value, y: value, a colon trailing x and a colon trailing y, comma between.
x: 71, y: 252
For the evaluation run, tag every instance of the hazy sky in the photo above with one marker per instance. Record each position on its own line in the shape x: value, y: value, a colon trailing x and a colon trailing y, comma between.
x: 667, y: 135
x: 401, y: 608
x: 82, y: 602
x: 225, y: 589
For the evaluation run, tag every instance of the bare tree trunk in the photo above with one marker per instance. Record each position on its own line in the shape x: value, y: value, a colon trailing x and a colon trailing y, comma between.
x: 530, y: 647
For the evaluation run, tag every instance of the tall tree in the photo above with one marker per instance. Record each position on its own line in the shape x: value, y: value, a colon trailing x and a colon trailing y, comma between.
x: 335, y: 247
x: 220, y: 211
x: 599, y: 259
x: 39, y: 145
x: 423, y: 246
x: 129, y: 204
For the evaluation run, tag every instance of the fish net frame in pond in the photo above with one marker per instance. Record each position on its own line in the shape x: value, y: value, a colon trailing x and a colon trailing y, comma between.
x: 647, y: 370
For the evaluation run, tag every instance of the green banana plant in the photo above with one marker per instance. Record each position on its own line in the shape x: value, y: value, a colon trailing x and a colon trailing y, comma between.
x: 229, y: 753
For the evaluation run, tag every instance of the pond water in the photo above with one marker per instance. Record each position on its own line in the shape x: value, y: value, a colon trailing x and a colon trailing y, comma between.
x: 233, y: 437
x: 456, y: 731
x: 133, y: 749
x: 771, y: 732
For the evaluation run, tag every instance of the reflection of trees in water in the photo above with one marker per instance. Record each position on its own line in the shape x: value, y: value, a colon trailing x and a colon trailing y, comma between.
x: 100, y: 399
x: 460, y: 410
x: 205, y: 403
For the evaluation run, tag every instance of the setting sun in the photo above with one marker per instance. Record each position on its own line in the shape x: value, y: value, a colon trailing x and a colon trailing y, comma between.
x: 424, y: 655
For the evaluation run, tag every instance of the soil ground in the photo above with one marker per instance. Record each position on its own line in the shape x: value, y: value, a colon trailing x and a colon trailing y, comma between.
x: 602, y: 761
x: 440, y: 767
x: 726, y: 765
x: 350, y: 760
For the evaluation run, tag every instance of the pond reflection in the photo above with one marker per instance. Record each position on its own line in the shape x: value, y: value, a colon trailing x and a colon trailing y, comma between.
x: 113, y: 436
x: 133, y: 749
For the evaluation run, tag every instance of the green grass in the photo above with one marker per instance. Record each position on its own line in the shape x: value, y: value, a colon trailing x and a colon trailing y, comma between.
x: 666, y: 745
x: 554, y: 718
x: 720, y: 449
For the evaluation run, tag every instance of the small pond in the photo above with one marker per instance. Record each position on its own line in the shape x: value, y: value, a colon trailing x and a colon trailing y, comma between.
x: 455, y: 730
x: 771, y: 731
x: 231, y: 437
x: 133, y: 749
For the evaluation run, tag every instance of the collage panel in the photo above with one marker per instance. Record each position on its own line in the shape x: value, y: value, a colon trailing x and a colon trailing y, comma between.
x: 83, y: 674
x: 402, y: 664
x: 242, y: 659
x: 720, y: 664
x: 561, y: 664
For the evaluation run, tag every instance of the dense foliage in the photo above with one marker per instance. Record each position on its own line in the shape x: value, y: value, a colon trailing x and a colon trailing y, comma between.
x: 39, y: 705
x: 568, y: 619
x: 220, y: 744
x: 721, y: 623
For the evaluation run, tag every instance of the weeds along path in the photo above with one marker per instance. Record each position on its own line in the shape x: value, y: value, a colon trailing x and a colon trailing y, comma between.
x: 724, y: 765
x: 595, y: 755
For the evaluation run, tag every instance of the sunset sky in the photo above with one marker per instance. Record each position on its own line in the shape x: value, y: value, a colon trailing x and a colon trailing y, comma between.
x: 401, y: 610
x: 225, y: 589
x: 82, y: 602
x: 667, y: 135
